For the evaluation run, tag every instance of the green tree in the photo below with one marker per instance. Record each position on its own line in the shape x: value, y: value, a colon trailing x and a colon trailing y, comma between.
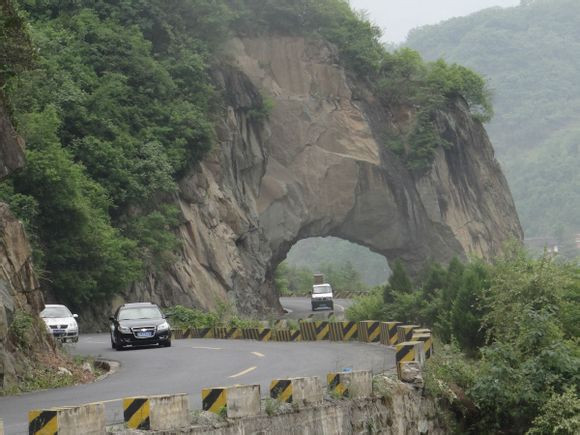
x: 399, y: 282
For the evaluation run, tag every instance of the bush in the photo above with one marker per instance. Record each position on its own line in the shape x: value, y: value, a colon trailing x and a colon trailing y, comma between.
x: 368, y: 307
x: 560, y: 415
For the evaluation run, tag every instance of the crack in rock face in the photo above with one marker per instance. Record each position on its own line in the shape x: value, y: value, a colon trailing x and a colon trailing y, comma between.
x: 316, y: 167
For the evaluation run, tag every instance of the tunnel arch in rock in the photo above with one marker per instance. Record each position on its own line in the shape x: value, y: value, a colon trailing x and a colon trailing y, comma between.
x: 319, y: 166
x: 327, y: 172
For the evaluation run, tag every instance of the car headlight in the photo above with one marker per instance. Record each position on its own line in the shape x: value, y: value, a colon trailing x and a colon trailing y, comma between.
x: 124, y: 329
x: 163, y: 327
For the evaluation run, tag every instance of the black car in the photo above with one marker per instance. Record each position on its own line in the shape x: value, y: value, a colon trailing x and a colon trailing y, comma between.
x: 139, y: 324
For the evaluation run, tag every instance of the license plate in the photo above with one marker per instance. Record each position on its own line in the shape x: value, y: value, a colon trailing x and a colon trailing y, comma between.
x: 144, y: 334
x: 58, y: 331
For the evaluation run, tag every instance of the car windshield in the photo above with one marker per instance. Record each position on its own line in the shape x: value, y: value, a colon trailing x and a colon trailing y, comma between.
x: 325, y: 288
x: 140, y: 313
x: 49, y: 312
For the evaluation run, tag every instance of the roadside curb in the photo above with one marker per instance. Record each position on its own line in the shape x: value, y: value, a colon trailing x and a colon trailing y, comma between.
x: 111, y: 368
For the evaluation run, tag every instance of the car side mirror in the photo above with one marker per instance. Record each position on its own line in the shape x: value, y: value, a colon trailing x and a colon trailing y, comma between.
x: 112, y: 319
x: 76, y: 316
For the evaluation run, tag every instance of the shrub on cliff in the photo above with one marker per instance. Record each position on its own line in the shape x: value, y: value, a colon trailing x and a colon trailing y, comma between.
x: 530, y: 361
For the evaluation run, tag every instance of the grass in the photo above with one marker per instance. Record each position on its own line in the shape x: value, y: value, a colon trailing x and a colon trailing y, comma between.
x: 43, y: 373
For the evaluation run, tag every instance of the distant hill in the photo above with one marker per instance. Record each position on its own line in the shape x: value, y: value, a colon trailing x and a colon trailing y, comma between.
x: 315, y: 252
x: 530, y: 55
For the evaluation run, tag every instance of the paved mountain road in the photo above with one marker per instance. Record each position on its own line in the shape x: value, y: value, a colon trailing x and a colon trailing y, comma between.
x: 189, y: 365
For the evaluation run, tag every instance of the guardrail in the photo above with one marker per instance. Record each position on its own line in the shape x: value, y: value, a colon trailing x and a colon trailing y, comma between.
x: 171, y: 412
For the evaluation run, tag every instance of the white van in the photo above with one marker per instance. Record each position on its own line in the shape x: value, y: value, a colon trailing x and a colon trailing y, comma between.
x: 322, y: 296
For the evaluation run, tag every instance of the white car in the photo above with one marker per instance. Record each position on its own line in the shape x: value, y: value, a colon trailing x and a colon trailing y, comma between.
x: 61, y: 323
x: 321, y: 295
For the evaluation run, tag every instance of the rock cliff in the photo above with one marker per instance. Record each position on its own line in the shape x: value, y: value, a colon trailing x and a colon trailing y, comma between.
x: 19, y: 288
x: 317, y: 166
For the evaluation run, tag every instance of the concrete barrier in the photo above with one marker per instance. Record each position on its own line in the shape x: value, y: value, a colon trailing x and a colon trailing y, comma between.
x: 71, y: 420
x: 409, y: 351
x: 162, y: 412
x: 286, y: 335
x: 260, y: 334
x: 353, y: 385
x: 369, y: 331
x: 427, y: 340
x: 389, y: 333
x: 226, y: 332
x: 301, y: 391
x: 315, y: 331
x: 343, y: 331
x: 405, y: 332
x: 237, y: 401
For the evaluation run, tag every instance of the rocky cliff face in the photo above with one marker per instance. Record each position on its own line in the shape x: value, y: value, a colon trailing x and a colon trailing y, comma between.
x: 317, y: 167
x: 19, y: 289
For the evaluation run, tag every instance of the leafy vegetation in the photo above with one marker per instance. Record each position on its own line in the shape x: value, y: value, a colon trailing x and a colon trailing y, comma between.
x: 225, y: 315
x: 309, y: 255
x: 511, y: 328
x: 117, y: 107
x: 528, y: 53
x: 299, y: 280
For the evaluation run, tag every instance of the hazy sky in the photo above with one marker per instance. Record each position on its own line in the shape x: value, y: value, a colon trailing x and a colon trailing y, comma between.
x: 397, y: 17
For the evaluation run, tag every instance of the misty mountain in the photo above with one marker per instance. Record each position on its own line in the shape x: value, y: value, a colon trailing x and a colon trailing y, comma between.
x: 529, y: 54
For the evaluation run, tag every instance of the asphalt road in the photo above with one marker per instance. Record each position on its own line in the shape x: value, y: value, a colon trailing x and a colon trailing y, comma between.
x: 190, y: 365
x: 300, y: 308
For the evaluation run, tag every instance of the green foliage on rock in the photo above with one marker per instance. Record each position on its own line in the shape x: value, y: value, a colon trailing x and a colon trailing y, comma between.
x: 117, y: 107
x: 529, y: 55
x: 16, y: 52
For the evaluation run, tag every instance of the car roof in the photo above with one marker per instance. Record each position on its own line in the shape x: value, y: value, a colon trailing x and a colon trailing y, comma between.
x: 53, y: 305
x: 138, y: 304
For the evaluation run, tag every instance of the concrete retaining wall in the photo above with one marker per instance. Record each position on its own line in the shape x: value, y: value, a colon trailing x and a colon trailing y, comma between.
x: 243, y: 401
x: 71, y: 420
x: 169, y: 412
x: 307, y: 391
x: 299, y: 391
x: 402, y: 410
x: 84, y: 419
x: 359, y: 383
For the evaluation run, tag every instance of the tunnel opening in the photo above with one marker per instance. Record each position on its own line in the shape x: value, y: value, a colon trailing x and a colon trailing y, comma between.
x: 348, y: 267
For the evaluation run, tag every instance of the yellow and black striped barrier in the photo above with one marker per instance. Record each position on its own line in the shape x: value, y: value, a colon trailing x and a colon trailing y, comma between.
x: 389, y: 333
x: 407, y: 351
x: 343, y: 331
x: 286, y: 335
x: 336, y: 386
x: 427, y: 342
x: 314, y: 331
x: 43, y: 422
x: 225, y: 332
x: 136, y: 413
x: 260, y: 334
x: 281, y: 389
x: 369, y: 331
x: 214, y: 399
x: 200, y: 333
x: 421, y: 331
x: 405, y: 332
